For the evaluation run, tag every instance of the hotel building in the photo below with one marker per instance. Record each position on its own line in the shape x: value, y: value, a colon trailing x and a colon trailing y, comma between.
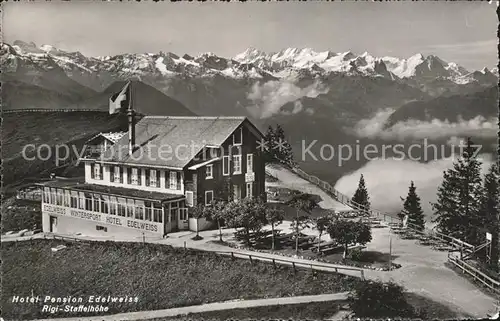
x: 146, y: 183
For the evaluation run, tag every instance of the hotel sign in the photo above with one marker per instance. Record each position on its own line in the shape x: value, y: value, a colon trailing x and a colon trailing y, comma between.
x: 249, y: 177
x: 103, y: 218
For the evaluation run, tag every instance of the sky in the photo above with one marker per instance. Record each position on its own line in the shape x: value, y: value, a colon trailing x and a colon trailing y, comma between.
x: 462, y: 32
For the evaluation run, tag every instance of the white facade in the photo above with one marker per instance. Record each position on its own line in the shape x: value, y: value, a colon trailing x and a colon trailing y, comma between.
x: 165, y: 179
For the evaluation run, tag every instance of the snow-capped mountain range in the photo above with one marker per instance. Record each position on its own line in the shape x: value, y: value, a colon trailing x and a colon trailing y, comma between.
x: 251, y: 64
x: 417, y: 66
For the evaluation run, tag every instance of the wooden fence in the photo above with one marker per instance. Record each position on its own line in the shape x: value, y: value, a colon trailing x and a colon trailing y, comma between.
x: 41, y: 110
x: 295, y: 264
x: 316, y: 267
x: 477, y: 275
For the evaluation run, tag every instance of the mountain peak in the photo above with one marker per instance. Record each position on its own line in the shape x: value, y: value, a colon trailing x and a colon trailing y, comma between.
x: 249, y: 54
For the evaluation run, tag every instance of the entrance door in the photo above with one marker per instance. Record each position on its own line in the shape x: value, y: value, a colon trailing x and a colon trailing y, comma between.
x: 53, y: 224
x: 174, y: 217
x: 183, y: 218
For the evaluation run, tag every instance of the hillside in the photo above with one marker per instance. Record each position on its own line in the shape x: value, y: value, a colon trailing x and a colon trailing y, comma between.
x: 20, y: 95
x: 468, y: 106
x: 34, y: 131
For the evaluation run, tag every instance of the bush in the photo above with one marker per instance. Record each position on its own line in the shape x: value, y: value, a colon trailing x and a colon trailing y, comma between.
x: 21, y: 214
x: 356, y: 255
x: 375, y: 299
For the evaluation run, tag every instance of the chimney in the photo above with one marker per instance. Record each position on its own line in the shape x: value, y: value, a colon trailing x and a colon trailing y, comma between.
x: 131, y: 122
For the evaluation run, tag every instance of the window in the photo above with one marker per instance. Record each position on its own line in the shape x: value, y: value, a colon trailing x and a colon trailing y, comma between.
x: 46, y: 195
x: 121, y: 209
x: 189, y: 198
x: 152, y: 177
x: 139, y: 212
x: 74, y: 200
x: 210, y: 171
x: 105, y: 204
x: 112, y: 206
x: 129, y: 175
x: 116, y: 174
x: 66, y: 198
x: 237, y: 164
x: 238, y: 136
x: 59, y: 197
x: 97, y: 203
x: 249, y: 163
x: 101, y: 228
x: 134, y: 180
x: 130, y: 210
x: 81, y: 201
x: 157, y: 213
x: 249, y: 190
x: 96, y: 171
x: 148, y: 211
x: 88, y: 202
x: 112, y: 174
x: 225, y: 165
x: 173, y: 180
x: 209, y: 196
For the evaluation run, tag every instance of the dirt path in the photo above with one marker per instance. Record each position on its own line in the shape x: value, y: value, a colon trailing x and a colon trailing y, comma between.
x: 227, y: 305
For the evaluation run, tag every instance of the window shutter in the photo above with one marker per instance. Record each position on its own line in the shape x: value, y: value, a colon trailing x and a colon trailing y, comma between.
x: 101, y: 172
x: 178, y: 180
x: 112, y: 174
x: 147, y: 176
x: 157, y: 178
x: 129, y: 175
x: 92, y: 168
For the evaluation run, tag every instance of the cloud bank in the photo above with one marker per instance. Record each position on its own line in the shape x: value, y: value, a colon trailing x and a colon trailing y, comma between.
x: 269, y: 97
x: 417, y: 129
x: 388, y: 179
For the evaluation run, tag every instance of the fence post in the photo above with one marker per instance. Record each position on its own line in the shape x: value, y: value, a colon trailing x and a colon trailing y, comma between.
x: 232, y: 255
x: 362, y: 275
x: 294, y: 270
x: 274, y: 263
x: 250, y: 257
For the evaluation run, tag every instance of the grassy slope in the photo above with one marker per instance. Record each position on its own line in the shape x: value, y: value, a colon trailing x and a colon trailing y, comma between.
x: 310, y: 311
x: 51, y: 128
x: 162, y: 277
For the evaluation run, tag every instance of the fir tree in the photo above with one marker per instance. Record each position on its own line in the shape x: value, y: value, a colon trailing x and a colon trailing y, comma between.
x: 269, y: 139
x: 361, y: 195
x: 413, y: 209
x: 446, y: 206
x: 490, y: 211
x: 458, y: 205
x: 278, y: 149
x: 284, y: 149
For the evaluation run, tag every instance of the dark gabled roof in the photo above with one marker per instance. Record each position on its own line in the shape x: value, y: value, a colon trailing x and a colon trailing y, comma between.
x: 79, y: 185
x: 173, y: 141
